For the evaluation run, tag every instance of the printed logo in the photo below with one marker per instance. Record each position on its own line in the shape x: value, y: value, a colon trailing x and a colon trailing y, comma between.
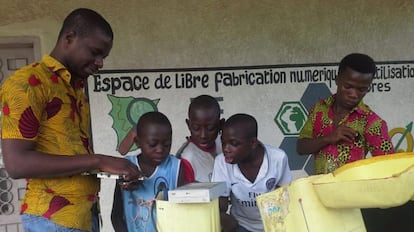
x: 271, y: 184
x: 291, y: 117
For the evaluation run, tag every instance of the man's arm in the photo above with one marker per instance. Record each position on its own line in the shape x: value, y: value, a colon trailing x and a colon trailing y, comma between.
x: 307, y: 146
x: 21, y: 160
x: 379, y: 143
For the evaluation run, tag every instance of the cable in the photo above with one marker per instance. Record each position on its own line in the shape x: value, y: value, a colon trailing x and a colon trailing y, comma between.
x: 160, y: 188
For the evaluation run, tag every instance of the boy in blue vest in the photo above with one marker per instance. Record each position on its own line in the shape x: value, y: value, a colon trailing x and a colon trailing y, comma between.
x: 134, y: 202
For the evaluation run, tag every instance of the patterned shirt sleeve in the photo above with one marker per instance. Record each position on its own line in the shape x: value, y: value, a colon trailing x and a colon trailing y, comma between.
x: 22, y: 106
x: 307, y: 130
x: 378, y: 140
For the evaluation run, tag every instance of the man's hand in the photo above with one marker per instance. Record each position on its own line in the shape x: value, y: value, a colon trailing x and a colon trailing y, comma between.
x: 339, y: 135
x: 342, y: 134
x: 120, y: 166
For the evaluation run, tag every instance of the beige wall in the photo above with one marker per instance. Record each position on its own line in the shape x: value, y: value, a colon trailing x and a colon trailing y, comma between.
x: 185, y: 34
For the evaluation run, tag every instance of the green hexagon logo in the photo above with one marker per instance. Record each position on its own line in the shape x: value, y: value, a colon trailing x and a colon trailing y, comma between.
x: 291, y: 118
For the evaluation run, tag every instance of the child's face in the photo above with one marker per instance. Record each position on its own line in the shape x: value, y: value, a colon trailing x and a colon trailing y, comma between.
x: 237, y: 147
x: 204, y: 126
x: 155, y: 142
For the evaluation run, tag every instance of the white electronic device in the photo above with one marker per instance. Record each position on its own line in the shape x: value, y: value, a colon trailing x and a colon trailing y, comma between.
x: 197, y: 192
x: 103, y: 175
x: 106, y: 175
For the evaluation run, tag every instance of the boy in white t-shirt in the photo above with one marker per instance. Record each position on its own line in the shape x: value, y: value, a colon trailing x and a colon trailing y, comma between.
x: 249, y: 168
x: 203, y: 145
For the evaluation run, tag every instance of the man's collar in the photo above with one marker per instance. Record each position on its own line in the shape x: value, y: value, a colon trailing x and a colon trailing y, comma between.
x: 56, y: 67
x: 52, y: 64
x: 361, y: 108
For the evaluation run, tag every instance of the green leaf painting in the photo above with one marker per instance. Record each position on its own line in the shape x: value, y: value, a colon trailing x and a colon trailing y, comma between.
x: 125, y: 113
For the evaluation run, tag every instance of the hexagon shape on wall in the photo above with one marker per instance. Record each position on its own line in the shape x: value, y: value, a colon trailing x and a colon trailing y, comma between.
x: 302, y: 165
x: 314, y: 93
x: 291, y: 118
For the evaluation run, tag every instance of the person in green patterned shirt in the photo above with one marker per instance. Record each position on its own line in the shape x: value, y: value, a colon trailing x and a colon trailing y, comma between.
x: 341, y: 128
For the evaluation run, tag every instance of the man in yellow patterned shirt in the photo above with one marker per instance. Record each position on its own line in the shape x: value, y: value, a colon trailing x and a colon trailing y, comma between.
x: 46, y: 128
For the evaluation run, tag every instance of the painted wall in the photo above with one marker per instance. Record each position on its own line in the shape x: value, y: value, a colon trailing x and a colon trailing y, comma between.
x: 191, y: 33
x: 187, y: 34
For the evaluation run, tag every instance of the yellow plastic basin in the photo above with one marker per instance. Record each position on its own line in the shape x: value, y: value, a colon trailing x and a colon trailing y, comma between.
x: 378, y: 182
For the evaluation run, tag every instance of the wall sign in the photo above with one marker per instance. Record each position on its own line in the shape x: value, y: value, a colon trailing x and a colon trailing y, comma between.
x: 279, y: 96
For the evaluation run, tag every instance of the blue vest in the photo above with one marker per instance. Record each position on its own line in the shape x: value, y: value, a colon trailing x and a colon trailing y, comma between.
x: 139, y: 205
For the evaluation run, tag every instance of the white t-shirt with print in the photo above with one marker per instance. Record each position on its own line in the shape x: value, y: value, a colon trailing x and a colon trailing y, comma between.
x: 273, y: 173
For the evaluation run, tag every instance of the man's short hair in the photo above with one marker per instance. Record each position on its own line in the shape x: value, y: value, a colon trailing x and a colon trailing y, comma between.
x: 84, y: 21
x: 359, y: 62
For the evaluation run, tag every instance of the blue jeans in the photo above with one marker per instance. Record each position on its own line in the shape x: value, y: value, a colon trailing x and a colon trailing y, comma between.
x: 96, y: 218
x: 32, y: 223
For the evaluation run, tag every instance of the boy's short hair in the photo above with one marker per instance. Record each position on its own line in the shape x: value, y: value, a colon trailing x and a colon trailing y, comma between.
x: 84, y: 21
x: 359, y: 62
x: 153, y: 117
x: 204, y: 102
x: 245, y: 121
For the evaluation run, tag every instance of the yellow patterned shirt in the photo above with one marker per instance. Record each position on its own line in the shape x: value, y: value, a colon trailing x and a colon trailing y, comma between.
x: 40, y: 105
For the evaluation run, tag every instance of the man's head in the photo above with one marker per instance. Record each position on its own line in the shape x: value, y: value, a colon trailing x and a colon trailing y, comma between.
x: 359, y: 62
x: 83, y: 43
x: 355, y: 74
x: 83, y: 21
x: 154, y: 137
x: 204, y: 121
x: 239, y: 138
